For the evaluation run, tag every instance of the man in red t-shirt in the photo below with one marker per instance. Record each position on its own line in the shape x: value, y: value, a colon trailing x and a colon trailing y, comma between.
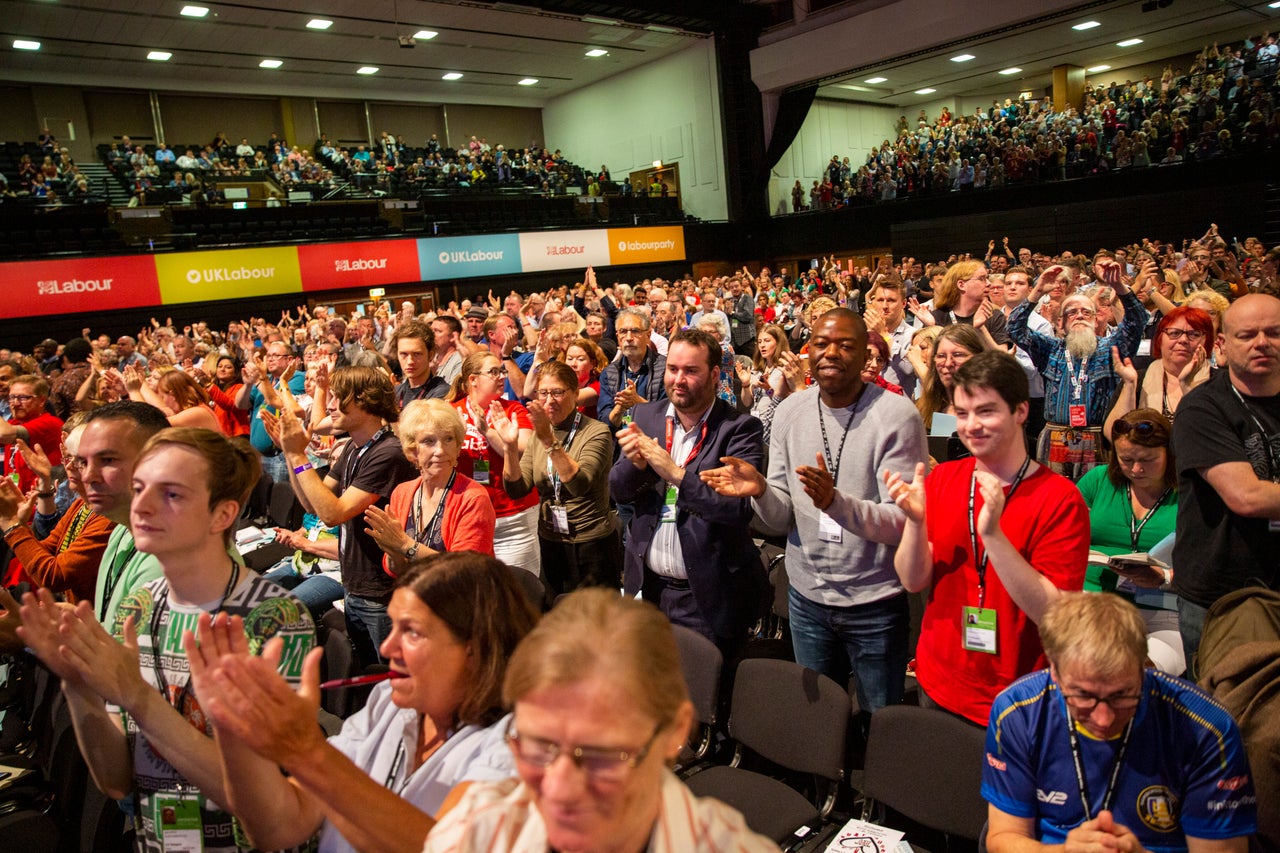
x: 1023, y: 539
x: 31, y: 424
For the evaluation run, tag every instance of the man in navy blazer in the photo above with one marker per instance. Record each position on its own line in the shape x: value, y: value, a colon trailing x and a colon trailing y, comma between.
x: 689, y: 550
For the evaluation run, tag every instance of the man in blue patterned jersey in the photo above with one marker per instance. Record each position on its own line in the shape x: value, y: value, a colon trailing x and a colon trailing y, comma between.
x: 1100, y: 753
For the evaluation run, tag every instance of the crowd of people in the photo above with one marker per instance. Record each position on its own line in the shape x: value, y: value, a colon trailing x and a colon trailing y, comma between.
x: 1222, y: 105
x: 1024, y: 426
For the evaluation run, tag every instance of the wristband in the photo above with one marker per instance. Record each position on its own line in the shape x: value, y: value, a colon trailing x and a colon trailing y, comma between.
x: 47, y: 494
x: 304, y: 467
x: 12, y: 527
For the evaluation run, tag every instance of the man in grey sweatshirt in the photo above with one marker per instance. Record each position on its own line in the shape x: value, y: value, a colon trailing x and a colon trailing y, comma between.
x: 848, y: 611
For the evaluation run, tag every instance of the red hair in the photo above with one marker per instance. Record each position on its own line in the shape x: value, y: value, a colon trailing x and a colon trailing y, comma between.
x: 1196, y: 318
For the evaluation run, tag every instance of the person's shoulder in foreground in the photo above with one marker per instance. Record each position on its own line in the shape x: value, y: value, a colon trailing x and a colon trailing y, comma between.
x: 502, y: 816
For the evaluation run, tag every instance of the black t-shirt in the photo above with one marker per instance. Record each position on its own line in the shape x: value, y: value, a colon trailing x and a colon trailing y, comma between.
x: 434, y: 388
x: 377, y: 469
x: 1217, y: 551
x: 997, y: 325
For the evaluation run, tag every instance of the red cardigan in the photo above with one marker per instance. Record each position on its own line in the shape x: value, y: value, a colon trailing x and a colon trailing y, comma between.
x: 468, y: 514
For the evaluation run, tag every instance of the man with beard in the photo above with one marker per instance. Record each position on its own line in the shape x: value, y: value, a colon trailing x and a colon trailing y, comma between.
x: 1079, y: 381
x: 848, y: 609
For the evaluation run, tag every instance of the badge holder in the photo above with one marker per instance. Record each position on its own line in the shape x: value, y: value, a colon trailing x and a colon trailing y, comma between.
x: 829, y: 529
x: 669, y: 505
x: 979, y: 630
x: 480, y: 471
x: 560, y: 519
x: 178, y: 823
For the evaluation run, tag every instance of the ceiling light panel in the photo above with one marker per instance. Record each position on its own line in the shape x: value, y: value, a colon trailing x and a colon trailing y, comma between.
x: 452, y: 75
x: 964, y: 57
x: 597, y: 52
x: 1128, y: 42
x: 25, y: 44
x: 270, y: 63
x: 367, y: 70
x: 1094, y: 69
x: 194, y: 11
x: 425, y: 35
x: 1010, y: 71
x: 529, y: 81
x: 1085, y: 25
x: 159, y: 56
x: 875, y: 80
x: 925, y: 91
x: 319, y: 24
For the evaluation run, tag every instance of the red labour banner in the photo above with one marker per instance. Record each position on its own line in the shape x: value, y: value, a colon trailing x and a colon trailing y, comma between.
x: 39, y: 288
x: 329, y: 266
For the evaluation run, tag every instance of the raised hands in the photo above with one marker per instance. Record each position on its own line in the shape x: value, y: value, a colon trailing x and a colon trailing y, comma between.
x: 1123, y: 368
x: 735, y: 478
x: 908, y: 495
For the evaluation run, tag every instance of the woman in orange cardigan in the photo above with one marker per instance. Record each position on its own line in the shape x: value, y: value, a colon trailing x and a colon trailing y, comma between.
x: 442, y: 510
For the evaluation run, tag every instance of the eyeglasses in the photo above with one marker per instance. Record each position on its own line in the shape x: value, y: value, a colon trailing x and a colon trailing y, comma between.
x: 602, y: 764
x: 630, y: 331
x: 1190, y: 334
x: 1086, y: 702
x: 874, y: 357
x: 551, y: 394
x: 20, y: 398
x: 494, y: 372
x: 1078, y: 312
x: 1142, y: 429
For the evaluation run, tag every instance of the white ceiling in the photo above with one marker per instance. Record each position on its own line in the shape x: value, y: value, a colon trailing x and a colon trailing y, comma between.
x: 105, y: 43
x: 1037, y: 46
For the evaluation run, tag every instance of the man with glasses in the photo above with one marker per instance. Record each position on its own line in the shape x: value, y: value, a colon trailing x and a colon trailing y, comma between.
x: 1226, y: 440
x: 635, y: 376
x: 1100, y: 753
x: 1079, y: 379
x: 29, y: 423
x: 251, y: 397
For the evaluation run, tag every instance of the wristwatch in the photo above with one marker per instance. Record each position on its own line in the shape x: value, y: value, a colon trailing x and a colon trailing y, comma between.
x: 411, y: 551
x: 555, y: 445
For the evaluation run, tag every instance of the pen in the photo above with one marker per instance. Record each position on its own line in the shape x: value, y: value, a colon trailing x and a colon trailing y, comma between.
x: 360, y: 680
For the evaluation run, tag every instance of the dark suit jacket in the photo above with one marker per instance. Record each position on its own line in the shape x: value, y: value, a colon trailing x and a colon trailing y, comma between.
x: 725, y: 573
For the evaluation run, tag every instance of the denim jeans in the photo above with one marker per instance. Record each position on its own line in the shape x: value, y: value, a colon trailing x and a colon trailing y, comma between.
x: 276, y: 468
x: 317, y: 592
x: 869, y: 640
x: 368, y: 625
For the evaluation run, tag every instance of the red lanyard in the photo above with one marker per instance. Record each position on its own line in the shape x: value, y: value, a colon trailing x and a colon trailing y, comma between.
x: 671, y: 425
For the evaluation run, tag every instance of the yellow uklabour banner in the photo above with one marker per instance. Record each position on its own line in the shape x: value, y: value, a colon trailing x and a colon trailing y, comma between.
x: 228, y: 274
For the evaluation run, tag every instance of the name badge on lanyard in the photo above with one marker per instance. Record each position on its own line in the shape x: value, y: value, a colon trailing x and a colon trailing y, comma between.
x: 1077, y: 414
x: 178, y: 823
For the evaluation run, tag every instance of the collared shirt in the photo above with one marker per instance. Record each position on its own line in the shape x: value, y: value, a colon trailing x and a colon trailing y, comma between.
x: 666, y: 556
x: 1100, y: 381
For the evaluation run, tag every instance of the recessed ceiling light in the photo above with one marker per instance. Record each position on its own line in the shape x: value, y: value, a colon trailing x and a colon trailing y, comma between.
x: 595, y: 51
x: 925, y: 91
x: 1007, y: 71
x: 270, y: 63
x: 160, y: 55
x: 592, y: 19
x: 367, y: 69
x: 452, y: 75
x: 1094, y: 69
x: 656, y: 28
x: 1128, y: 42
x: 425, y: 35
x: 25, y: 44
x: 1086, y: 25
x: 319, y: 24
x: 1275, y: 5
x: 528, y: 81
x: 874, y: 80
x: 964, y: 57
x: 194, y: 11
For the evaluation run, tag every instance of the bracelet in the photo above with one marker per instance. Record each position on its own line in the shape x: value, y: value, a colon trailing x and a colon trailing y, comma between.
x: 307, y: 466
x: 12, y: 527
x: 47, y: 494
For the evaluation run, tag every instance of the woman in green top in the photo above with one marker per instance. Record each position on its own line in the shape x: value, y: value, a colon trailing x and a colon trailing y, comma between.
x: 1133, y: 505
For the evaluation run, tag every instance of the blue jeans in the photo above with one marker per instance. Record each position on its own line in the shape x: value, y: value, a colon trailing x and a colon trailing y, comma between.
x: 368, y: 624
x: 317, y: 592
x: 276, y: 468
x: 869, y: 640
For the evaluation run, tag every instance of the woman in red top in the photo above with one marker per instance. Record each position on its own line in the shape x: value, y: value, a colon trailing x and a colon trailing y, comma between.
x: 441, y: 509
x: 587, y: 361
x: 223, y: 389
x: 476, y: 392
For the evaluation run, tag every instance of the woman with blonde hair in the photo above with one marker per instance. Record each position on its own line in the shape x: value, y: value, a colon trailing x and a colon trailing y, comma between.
x: 953, y: 347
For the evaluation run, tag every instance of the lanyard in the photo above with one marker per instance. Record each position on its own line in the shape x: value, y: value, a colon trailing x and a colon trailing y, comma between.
x: 1079, y: 765
x: 432, y: 528
x: 552, y: 475
x: 1077, y: 380
x: 114, y: 575
x: 157, y: 642
x: 1272, y: 461
x: 834, y: 467
x: 78, y: 522
x: 396, y: 764
x: 671, y: 423
x: 981, y: 564
x: 1135, y: 526
x: 355, y: 461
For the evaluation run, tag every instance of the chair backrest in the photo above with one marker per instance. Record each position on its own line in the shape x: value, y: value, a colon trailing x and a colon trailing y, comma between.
x: 792, y: 716
x: 927, y: 765
x: 285, y: 509
x: 701, y: 662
